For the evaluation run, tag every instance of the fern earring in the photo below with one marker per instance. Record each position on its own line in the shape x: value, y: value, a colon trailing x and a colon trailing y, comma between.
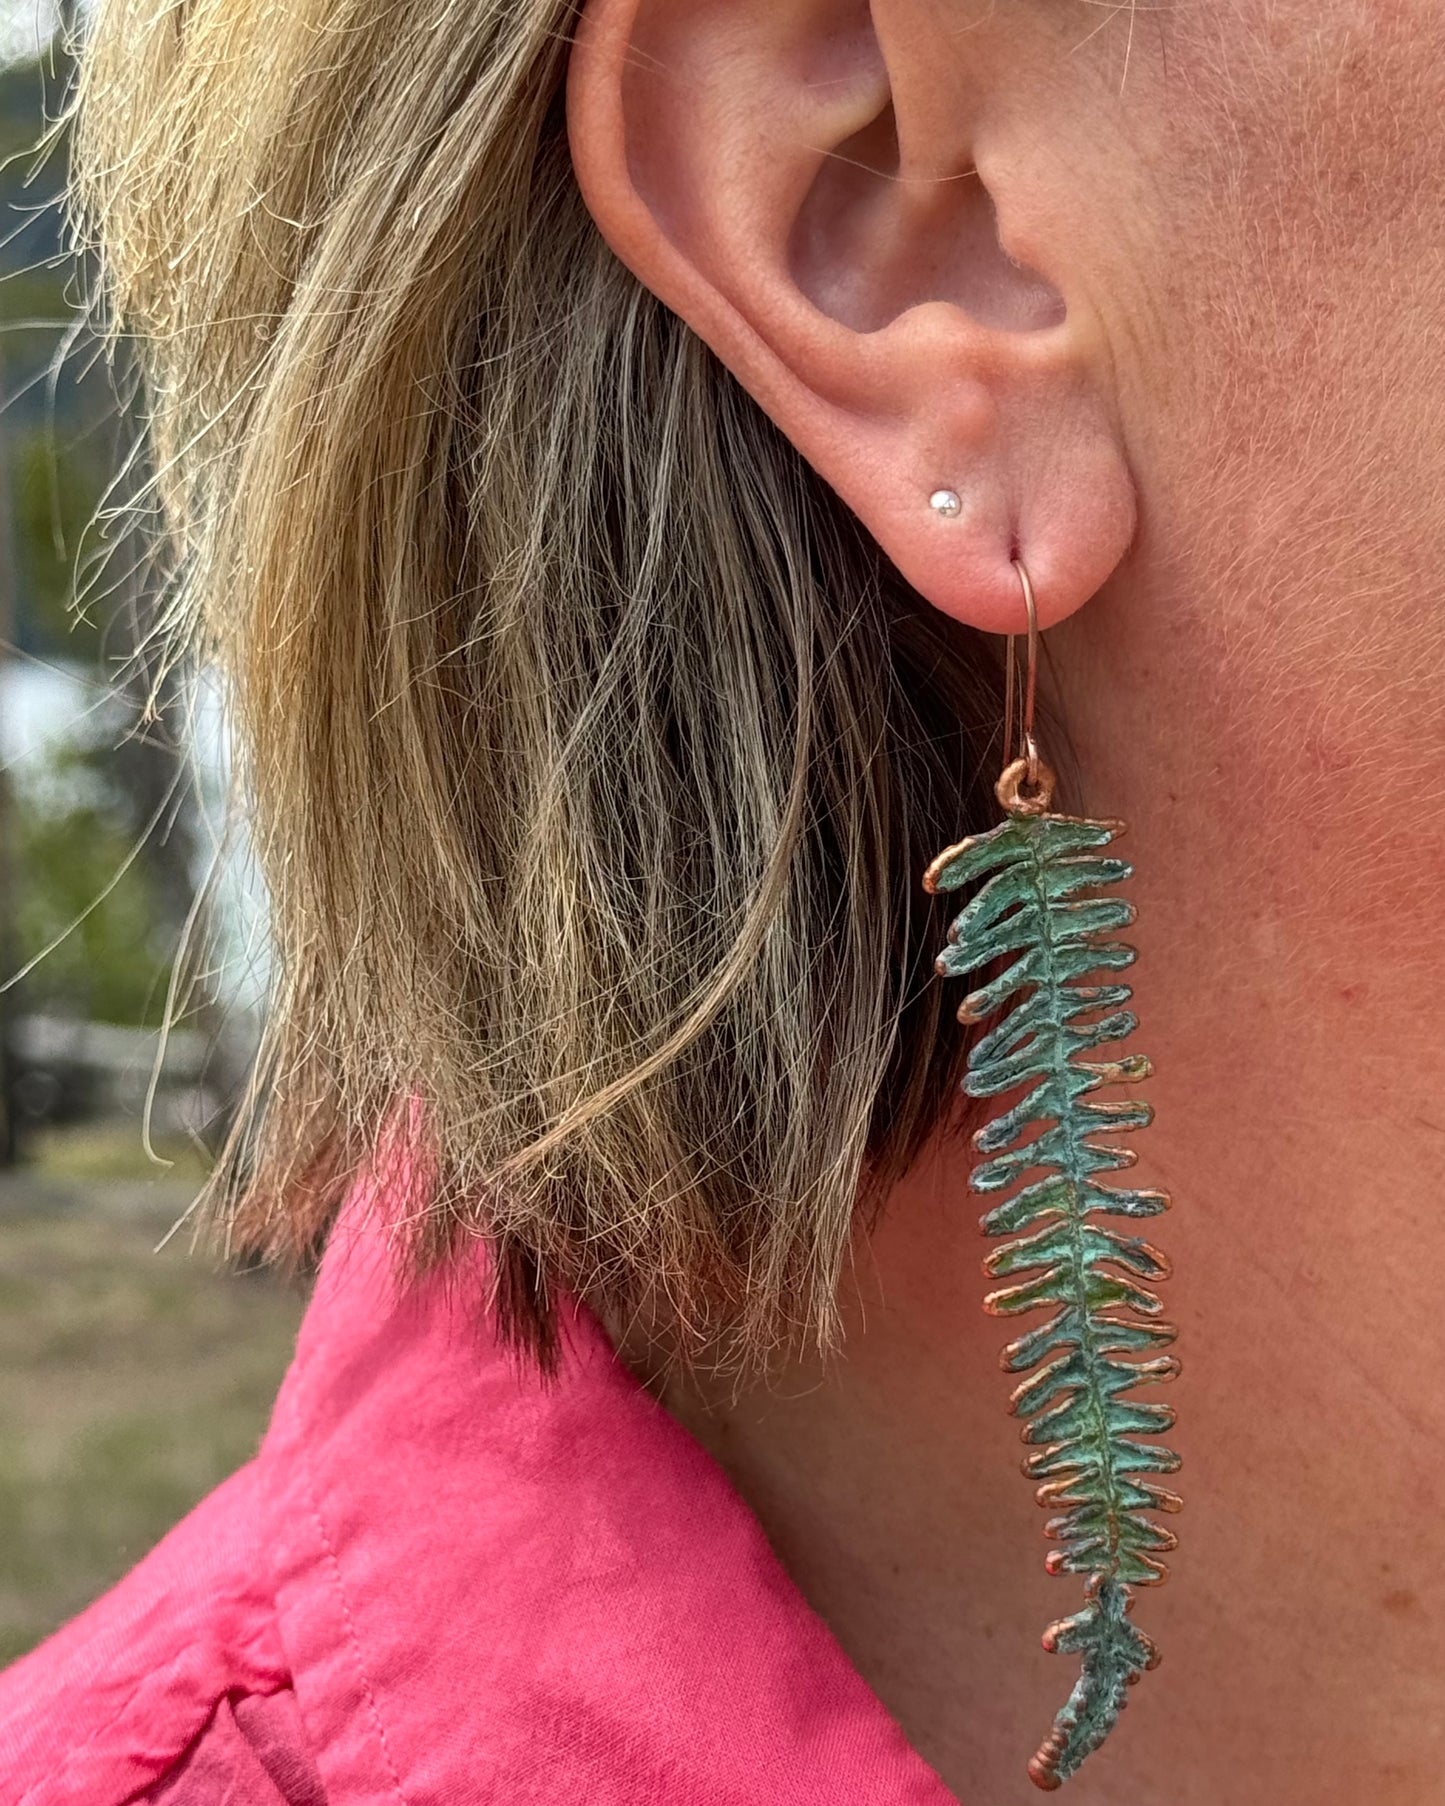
x: 1038, y: 923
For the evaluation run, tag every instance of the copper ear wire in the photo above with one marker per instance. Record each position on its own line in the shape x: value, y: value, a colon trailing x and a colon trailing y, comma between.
x: 1026, y: 784
x: 1022, y: 692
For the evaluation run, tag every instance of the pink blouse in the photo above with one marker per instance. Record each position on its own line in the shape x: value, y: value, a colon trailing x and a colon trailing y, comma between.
x: 443, y: 1582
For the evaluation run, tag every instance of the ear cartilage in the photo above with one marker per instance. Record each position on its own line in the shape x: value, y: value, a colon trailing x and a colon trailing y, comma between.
x: 946, y: 503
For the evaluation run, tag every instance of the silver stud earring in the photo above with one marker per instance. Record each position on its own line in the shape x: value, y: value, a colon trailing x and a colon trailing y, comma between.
x: 945, y: 502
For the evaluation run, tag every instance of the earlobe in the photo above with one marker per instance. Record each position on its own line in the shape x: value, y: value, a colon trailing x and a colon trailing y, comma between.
x: 820, y: 197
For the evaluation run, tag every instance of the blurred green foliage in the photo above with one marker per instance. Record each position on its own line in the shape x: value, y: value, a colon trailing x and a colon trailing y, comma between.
x: 111, y: 965
x: 73, y: 828
x: 56, y: 496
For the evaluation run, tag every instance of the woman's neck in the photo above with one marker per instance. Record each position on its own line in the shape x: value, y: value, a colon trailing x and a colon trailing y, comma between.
x: 1299, y: 1628
x: 1288, y: 991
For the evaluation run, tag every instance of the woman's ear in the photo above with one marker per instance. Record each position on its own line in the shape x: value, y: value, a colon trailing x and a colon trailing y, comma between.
x: 860, y: 210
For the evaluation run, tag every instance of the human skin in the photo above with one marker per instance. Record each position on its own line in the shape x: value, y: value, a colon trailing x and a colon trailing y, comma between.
x: 1210, y: 415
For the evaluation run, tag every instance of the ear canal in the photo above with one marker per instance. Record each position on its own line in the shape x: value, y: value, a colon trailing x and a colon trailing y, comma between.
x: 870, y: 242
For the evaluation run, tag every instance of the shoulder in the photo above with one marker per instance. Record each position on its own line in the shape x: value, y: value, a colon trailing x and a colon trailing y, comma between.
x: 115, y: 1701
x: 180, y: 1686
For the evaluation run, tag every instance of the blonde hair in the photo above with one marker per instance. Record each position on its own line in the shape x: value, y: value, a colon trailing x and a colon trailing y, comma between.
x: 591, y: 748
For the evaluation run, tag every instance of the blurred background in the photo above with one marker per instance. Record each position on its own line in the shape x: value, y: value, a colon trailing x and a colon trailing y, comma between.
x: 135, y: 1372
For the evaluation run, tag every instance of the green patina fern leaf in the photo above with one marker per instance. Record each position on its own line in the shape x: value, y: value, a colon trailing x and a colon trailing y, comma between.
x: 1054, y: 999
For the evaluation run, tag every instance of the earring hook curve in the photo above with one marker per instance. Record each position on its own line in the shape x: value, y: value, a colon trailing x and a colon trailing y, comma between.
x: 1024, y: 771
